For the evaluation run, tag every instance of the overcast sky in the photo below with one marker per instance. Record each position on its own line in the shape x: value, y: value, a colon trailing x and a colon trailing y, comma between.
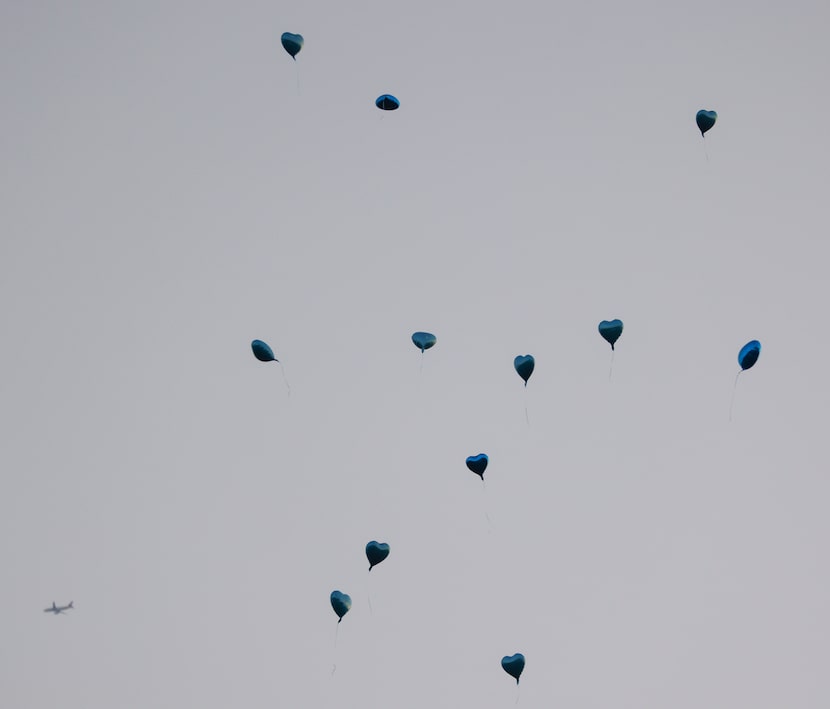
x: 168, y: 195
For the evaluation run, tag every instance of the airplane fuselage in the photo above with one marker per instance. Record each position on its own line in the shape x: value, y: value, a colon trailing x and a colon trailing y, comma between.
x: 58, y: 609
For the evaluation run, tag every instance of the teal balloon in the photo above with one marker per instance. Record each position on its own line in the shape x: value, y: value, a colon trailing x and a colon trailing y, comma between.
x: 611, y: 331
x: 387, y: 102
x: 292, y: 43
x: 524, y: 365
x: 341, y: 602
x: 749, y: 354
x: 705, y: 120
x: 376, y: 552
x: 263, y: 352
x: 423, y: 340
x: 478, y: 464
x: 513, y: 665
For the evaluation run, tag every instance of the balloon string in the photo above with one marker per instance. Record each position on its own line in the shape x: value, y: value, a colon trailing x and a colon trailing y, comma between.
x: 611, y: 366
x: 705, y: 150
x: 297, y: 67
x: 285, y: 379
x: 527, y: 417
x: 369, y: 593
x: 486, y: 514
x: 334, y: 664
x: 518, y: 687
x: 734, y: 389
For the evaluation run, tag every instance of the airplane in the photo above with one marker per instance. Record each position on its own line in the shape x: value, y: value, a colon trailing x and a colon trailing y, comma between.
x: 58, y: 609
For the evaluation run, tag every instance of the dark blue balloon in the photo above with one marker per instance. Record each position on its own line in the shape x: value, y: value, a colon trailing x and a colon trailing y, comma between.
x: 478, y: 464
x: 705, y: 120
x: 423, y: 340
x: 292, y: 43
x: 524, y: 365
x: 387, y: 102
x: 341, y: 603
x: 263, y: 352
x: 376, y: 552
x: 749, y: 354
x: 611, y: 331
x: 513, y: 665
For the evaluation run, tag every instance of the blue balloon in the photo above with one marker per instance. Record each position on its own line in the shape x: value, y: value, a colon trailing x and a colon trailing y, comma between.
x: 423, y: 340
x: 611, y: 331
x: 478, y: 464
x: 387, y: 102
x: 263, y: 352
x: 513, y: 665
x: 341, y: 603
x: 376, y: 552
x: 749, y: 354
x: 524, y: 365
x: 292, y: 43
x: 705, y: 120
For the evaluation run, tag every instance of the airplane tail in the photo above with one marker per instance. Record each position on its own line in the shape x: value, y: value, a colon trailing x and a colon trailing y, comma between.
x: 70, y: 604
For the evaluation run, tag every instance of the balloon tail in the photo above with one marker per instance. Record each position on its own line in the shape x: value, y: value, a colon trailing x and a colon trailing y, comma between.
x: 734, y: 389
x: 285, y: 379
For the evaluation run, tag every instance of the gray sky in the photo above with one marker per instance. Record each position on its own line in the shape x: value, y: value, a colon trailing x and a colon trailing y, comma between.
x: 168, y: 196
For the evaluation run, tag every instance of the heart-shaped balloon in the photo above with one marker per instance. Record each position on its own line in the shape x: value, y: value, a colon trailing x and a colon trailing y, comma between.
x: 292, y: 43
x: 341, y: 603
x: 263, y: 352
x: 705, y: 120
x: 423, y: 340
x: 478, y: 464
x: 611, y: 331
x: 749, y: 354
x: 513, y: 665
x: 524, y: 365
x: 376, y: 552
x: 387, y: 102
